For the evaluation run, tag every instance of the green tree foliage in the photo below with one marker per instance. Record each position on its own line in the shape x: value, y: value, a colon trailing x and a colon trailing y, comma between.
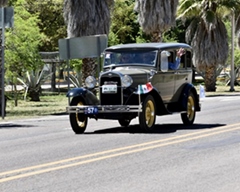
x: 50, y: 14
x: 51, y: 21
x: 124, y: 26
x: 176, y: 33
x: 22, y: 43
x: 236, y: 47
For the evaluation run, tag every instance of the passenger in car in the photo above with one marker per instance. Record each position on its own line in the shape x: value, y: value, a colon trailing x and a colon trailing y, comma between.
x: 175, y: 65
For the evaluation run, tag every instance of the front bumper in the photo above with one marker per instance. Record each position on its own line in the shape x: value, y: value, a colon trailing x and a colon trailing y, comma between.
x: 104, y: 109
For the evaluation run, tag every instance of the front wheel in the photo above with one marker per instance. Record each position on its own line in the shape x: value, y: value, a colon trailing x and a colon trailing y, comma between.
x: 78, y: 121
x: 148, y: 115
x: 189, y: 116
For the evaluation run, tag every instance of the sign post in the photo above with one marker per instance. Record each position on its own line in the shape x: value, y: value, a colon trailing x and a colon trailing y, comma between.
x: 232, y: 55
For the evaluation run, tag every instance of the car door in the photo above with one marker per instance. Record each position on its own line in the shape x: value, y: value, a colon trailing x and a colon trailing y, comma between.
x: 183, y: 74
x: 164, y: 81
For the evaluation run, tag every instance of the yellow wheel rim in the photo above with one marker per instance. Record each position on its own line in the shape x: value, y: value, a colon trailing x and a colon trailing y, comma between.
x: 149, y: 113
x: 81, y: 123
x: 190, y: 108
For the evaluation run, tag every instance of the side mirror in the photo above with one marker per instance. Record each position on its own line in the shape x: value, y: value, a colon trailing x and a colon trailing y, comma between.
x: 164, y: 60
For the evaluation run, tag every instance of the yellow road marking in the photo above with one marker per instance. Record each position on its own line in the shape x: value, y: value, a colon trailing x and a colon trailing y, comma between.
x: 144, y: 146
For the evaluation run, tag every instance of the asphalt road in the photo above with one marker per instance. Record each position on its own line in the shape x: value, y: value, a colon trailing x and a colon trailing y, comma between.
x: 44, y: 155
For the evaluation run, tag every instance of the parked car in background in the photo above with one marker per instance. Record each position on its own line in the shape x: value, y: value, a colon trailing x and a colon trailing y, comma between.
x: 135, y: 82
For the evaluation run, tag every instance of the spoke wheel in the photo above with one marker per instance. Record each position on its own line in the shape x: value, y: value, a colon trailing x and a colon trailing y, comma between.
x: 148, y: 115
x: 189, y: 117
x: 78, y: 121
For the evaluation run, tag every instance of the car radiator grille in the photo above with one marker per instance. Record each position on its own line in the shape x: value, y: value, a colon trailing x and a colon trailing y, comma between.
x: 112, y: 98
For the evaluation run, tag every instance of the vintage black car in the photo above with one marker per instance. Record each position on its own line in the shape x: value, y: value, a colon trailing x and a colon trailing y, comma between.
x: 136, y: 81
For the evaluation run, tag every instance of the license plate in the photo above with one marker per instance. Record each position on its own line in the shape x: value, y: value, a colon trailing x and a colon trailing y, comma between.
x: 91, y: 110
x: 109, y: 89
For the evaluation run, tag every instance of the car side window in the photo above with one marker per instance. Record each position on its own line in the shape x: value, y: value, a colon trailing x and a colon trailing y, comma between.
x: 186, y: 60
x: 176, y: 59
x: 173, y: 63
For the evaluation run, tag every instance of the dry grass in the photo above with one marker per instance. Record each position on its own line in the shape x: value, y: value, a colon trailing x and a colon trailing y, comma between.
x: 48, y: 105
x: 221, y: 89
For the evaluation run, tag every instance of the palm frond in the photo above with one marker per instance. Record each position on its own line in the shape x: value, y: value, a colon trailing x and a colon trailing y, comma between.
x: 74, y: 80
x: 188, y: 9
x: 191, y: 29
x: 210, y: 47
x: 156, y: 16
x: 209, y: 19
x: 34, y: 80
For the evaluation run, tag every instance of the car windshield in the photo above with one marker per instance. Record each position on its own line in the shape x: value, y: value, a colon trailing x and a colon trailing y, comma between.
x: 130, y: 57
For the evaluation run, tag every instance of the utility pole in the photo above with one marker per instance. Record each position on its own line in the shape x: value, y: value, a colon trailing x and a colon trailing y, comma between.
x: 2, y: 65
x: 232, y: 58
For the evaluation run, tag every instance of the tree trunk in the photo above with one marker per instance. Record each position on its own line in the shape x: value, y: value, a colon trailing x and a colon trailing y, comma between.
x: 15, y: 95
x: 34, y: 94
x: 210, y: 79
x: 88, y: 68
x: 61, y: 76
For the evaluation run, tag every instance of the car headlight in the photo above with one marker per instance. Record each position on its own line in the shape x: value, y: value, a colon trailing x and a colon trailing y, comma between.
x: 90, y: 82
x: 126, y: 81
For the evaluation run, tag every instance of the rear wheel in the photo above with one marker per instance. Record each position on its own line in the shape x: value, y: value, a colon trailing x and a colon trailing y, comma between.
x: 78, y: 121
x: 124, y: 122
x: 189, y: 117
x: 148, y: 115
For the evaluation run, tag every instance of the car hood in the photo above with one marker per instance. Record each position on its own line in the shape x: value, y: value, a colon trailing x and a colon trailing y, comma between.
x: 132, y: 71
x: 139, y: 75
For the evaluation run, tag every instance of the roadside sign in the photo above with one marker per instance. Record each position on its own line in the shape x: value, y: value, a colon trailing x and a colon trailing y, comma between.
x: 8, y: 17
x: 82, y: 47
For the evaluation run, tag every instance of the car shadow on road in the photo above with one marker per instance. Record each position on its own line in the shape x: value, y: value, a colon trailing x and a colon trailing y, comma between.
x: 13, y: 125
x: 159, y: 129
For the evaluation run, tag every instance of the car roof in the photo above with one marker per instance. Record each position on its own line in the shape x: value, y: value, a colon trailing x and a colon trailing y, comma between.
x: 149, y: 46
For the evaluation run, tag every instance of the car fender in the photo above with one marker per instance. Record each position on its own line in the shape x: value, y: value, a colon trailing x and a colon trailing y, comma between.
x: 87, y: 95
x: 160, y: 107
x: 184, y: 96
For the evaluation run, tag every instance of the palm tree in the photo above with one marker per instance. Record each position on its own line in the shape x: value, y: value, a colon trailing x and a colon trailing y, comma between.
x: 3, y: 3
x: 207, y: 34
x: 156, y: 17
x: 84, y: 18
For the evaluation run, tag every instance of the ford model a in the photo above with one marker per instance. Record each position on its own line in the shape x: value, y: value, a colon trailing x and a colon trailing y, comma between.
x: 136, y: 81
